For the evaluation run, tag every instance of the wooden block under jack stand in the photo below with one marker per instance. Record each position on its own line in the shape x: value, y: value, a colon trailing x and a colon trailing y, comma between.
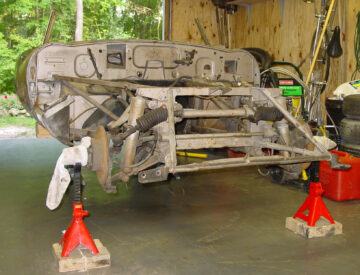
x: 81, y: 259
x: 322, y: 228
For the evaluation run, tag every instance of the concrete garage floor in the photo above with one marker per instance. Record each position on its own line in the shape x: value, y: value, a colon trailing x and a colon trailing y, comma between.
x: 223, y: 222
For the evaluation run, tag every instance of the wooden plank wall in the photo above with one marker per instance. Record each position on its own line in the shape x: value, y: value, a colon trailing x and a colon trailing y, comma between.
x: 351, y: 11
x: 287, y: 40
x: 290, y: 39
x: 184, y: 28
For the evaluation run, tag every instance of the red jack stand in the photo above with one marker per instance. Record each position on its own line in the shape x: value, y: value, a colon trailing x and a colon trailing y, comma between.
x: 77, y: 233
x: 315, y: 205
x: 92, y: 254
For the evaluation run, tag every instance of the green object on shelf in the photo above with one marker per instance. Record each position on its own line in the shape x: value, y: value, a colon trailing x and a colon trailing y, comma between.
x: 291, y: 90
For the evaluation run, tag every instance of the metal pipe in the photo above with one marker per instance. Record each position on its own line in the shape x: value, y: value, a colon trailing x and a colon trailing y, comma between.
x: 171, y: 131
x: 137, y: 106
x: 318, y: 46
x: 89, y: 99
x: 220, y: 135
x: 192, y: 113
x: 288, y: 148
x: 246, y: 161
x: 291, y: 119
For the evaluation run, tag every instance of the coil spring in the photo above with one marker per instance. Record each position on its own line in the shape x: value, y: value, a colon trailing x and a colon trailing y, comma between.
x: 76, y: 196
x: 151, y: 119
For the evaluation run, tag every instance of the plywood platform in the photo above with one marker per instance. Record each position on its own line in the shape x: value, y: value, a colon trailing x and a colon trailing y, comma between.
x: 322, y: 228
x: 81, y: 259
x: 41, y: 132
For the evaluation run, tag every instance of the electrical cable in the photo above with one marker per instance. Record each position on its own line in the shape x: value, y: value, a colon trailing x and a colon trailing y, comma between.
x: 306, y: 88
x: 287, y: 72
x: 357, y: 48
x: 144, y: 159
x: 273, y: 63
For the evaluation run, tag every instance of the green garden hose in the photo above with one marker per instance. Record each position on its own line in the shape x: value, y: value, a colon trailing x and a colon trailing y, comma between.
x: 357, y: 47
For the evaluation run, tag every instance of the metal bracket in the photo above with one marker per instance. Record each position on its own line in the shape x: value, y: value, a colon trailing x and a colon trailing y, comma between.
x: 248, y: 6
x: 153, y: 175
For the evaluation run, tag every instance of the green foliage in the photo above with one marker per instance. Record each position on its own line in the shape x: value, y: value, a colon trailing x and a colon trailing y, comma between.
x: 27, y: 122
x: 10, y: 101
x: 23, y: 24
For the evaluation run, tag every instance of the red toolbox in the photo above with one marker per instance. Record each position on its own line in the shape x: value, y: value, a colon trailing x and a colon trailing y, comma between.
x: 341, y: 185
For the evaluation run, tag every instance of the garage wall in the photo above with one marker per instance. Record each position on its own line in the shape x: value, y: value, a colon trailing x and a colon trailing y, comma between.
x: 287, y: 40
x: 290, y: 39
x: 183, y: 16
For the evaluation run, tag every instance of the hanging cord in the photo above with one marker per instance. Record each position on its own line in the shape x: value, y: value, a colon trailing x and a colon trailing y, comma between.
x: 357, y: 47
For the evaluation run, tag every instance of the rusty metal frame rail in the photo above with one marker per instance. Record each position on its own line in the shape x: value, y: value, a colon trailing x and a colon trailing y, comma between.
x: 246, y: 161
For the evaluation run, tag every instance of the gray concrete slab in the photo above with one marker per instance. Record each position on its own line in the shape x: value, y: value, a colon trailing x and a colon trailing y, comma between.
x: 219, y: 222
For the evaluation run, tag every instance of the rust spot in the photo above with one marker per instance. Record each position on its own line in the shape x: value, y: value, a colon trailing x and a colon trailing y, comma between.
x: 300, y: 55
x: 32, y: 71
x: 252, y: 28
x: 275, y: 29
x: 214, y: 35
x: 202, y: 4
x: 207, y: 67
x: 350, y: 67
x: 272, y: 57
x: 189, y: 36
x: 205, y: 27
x: 283, y: 59
x: 248, y: 31
x: 278, y: 51
x: 257, y: 29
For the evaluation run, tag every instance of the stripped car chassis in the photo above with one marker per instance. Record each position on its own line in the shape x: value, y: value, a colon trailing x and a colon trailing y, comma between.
x: 162, y: 159
x: 143, y: 101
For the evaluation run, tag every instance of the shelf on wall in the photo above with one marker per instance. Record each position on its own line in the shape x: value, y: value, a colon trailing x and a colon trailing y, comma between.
x: 248, y: 3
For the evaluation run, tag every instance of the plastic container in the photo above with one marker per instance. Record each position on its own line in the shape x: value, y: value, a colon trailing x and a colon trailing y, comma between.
x: 347, y: 88
x: 341, y: 185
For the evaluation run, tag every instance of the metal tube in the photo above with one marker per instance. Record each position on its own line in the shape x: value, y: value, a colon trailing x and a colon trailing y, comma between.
x: 137, y: 106
x: 288, y: 149
x: 221, y: 135
x: 90, y: 99
x: 171, y: 131
x: 291, y: 119
x: 191, y: 113
x: 247, y: 161
x: 318, y: 46
x: 283, y: 128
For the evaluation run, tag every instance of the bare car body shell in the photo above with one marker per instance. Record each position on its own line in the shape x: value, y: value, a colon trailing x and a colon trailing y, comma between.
x: 117, y: 91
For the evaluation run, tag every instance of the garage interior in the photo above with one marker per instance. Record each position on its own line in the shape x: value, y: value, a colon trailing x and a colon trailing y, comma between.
x: 225, y: 221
